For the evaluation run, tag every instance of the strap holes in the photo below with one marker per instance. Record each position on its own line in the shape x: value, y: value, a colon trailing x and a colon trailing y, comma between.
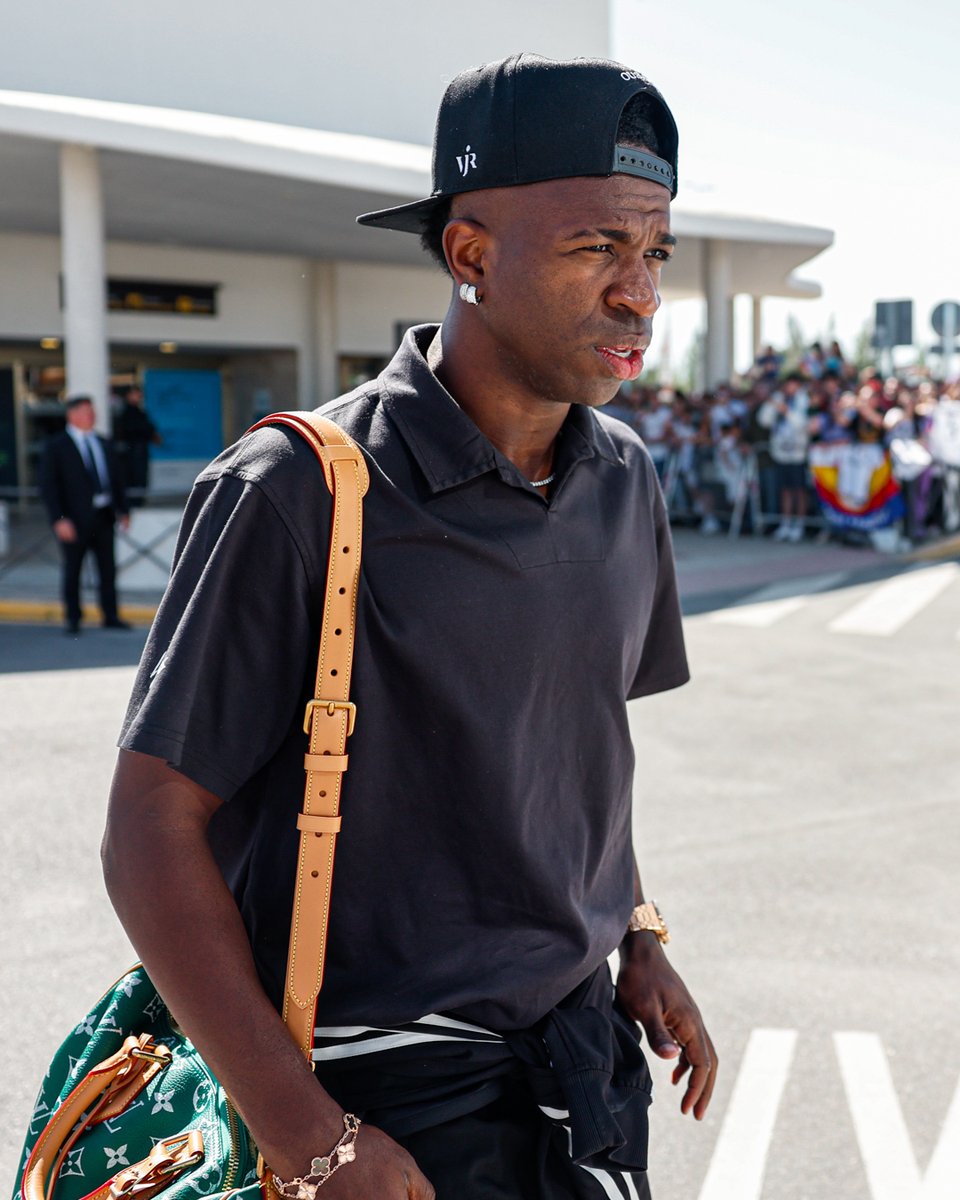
x: 346, y: 549
x: 334, y: 671
x: 315, y: 874
x: 337, y: 632
x: 323, y: 794
x: 326, y: 751
x: 342, y: 591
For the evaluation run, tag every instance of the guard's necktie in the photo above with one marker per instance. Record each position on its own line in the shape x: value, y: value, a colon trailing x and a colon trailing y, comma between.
x: 90, y: 462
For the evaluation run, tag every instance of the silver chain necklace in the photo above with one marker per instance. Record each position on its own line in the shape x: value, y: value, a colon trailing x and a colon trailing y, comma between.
x: 542, y: 482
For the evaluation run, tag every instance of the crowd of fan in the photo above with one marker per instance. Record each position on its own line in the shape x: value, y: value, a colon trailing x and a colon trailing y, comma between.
x: 703, y: 443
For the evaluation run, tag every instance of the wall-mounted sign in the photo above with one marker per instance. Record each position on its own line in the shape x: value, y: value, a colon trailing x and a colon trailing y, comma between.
x: 185, y: 406
x: 162, y: 296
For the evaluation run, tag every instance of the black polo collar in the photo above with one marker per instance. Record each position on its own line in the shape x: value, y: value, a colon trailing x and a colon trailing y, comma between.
x: 445, y: 442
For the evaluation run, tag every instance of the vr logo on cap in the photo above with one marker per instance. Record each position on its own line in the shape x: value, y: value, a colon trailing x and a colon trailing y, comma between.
x: 466, y: 161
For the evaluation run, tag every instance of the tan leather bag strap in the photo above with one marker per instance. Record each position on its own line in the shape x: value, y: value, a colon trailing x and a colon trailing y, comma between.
x: 108, y: 1088
x: 328, y: 720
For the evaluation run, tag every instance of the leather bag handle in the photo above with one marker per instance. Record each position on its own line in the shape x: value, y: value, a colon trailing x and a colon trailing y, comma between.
x: 106, y: 1090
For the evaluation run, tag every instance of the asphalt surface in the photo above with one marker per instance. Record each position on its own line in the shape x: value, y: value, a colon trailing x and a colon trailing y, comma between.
x: 797, y: 819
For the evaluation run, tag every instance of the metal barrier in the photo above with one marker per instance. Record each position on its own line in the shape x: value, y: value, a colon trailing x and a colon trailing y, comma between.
x: 748, y: 502
x: 747, y: 499
x: 26, y: 539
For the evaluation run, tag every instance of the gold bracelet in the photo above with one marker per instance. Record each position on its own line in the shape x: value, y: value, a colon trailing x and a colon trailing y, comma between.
x: 646, y: 917
x: 322, y: 1167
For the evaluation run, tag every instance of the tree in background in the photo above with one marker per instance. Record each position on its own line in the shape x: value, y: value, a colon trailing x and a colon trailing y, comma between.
x: 864, y: 351
x: 796, y: 344
x: 690, y: 375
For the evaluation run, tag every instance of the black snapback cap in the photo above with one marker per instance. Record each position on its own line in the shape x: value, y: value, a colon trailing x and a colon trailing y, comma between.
x: 526, y: 119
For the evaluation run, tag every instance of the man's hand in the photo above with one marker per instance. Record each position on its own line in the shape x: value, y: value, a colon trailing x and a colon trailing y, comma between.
x: 654, y: 994
x: 65, y: 530
x: 382, y: 1170
x: 124, y: 521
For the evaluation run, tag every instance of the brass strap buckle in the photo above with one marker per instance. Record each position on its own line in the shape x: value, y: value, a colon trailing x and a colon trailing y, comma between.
x: 330, y: 707
x: 152, y: 1053
x: 168, y: 1157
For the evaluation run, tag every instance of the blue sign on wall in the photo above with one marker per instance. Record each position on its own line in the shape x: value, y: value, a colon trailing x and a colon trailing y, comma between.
x: 185, y: 407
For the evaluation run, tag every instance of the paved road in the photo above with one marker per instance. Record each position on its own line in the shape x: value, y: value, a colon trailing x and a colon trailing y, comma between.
x: 797, y: 819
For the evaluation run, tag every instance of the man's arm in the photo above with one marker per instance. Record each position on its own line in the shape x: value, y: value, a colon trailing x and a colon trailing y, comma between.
x: 654, y: 994
x: 180, y: 916
x: 51, y: 491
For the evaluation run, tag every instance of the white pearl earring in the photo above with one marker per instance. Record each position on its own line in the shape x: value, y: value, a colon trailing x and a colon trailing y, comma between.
x: 468, y: 293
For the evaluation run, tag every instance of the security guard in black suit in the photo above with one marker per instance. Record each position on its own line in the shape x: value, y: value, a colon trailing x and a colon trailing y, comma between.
x: 84, y: 495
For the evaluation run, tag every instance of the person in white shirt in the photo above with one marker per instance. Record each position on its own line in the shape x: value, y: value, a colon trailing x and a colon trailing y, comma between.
x: 654, y: 428
x: 787, y: 415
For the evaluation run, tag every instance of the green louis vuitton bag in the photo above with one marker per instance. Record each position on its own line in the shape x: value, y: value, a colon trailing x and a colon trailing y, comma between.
x: 154, y: 1117
x: 128, y: 1106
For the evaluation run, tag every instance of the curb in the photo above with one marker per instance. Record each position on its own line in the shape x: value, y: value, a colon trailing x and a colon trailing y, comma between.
x: 50, y: 612
x: 947, y: 548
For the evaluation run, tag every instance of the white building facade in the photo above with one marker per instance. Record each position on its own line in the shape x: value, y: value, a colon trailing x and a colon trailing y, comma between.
x: 202, y: 164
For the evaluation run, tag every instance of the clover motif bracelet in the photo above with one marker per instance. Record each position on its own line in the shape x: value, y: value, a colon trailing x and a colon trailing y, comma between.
x: 323, y: 1166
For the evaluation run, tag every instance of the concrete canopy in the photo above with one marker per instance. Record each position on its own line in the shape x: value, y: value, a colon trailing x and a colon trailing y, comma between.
x: 189, y: 178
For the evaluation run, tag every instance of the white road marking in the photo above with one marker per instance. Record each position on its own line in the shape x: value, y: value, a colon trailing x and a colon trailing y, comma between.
x: 889, y: 606
x: 888, y: 1158
x: 765, y: 607
x: 739, y: 1159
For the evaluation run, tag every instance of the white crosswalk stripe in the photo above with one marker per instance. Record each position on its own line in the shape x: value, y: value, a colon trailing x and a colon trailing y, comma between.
x: 881, y: 609
x: 888, y: 1156
x: 737, y: 1169
x: 756, y: 1128
x: 890, y: 605
x: 770, y: 604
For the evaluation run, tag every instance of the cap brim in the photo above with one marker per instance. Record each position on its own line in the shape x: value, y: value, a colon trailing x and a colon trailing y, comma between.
x: 407, y: 218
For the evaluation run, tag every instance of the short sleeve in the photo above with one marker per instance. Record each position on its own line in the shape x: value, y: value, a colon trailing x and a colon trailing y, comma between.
x: 233, y: 645
x: 663, y: 662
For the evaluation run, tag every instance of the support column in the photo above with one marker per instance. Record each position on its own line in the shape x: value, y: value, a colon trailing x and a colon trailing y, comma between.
x: 83, y: 263
x: 757, y: 325
x: 718, y: 274
x: 731, y: 336
x: 307, y: 349
x: 325, y: 382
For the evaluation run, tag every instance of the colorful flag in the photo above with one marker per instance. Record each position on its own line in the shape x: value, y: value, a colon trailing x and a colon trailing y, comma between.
x: 855, y: 485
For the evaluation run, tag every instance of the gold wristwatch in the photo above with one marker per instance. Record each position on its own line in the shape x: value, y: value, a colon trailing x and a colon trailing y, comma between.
x: 647, y: 917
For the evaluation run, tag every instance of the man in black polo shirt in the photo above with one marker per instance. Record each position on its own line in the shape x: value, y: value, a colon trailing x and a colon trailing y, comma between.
x: 517, y: 589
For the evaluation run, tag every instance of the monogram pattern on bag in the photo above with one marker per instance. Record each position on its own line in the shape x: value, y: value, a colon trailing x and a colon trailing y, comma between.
x: 180, y: 1097
x: 116, y: 1158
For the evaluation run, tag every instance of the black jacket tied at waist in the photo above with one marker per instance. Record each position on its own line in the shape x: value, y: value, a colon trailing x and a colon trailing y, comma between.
x: 582, y: 1064
x: 589, y: 1063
